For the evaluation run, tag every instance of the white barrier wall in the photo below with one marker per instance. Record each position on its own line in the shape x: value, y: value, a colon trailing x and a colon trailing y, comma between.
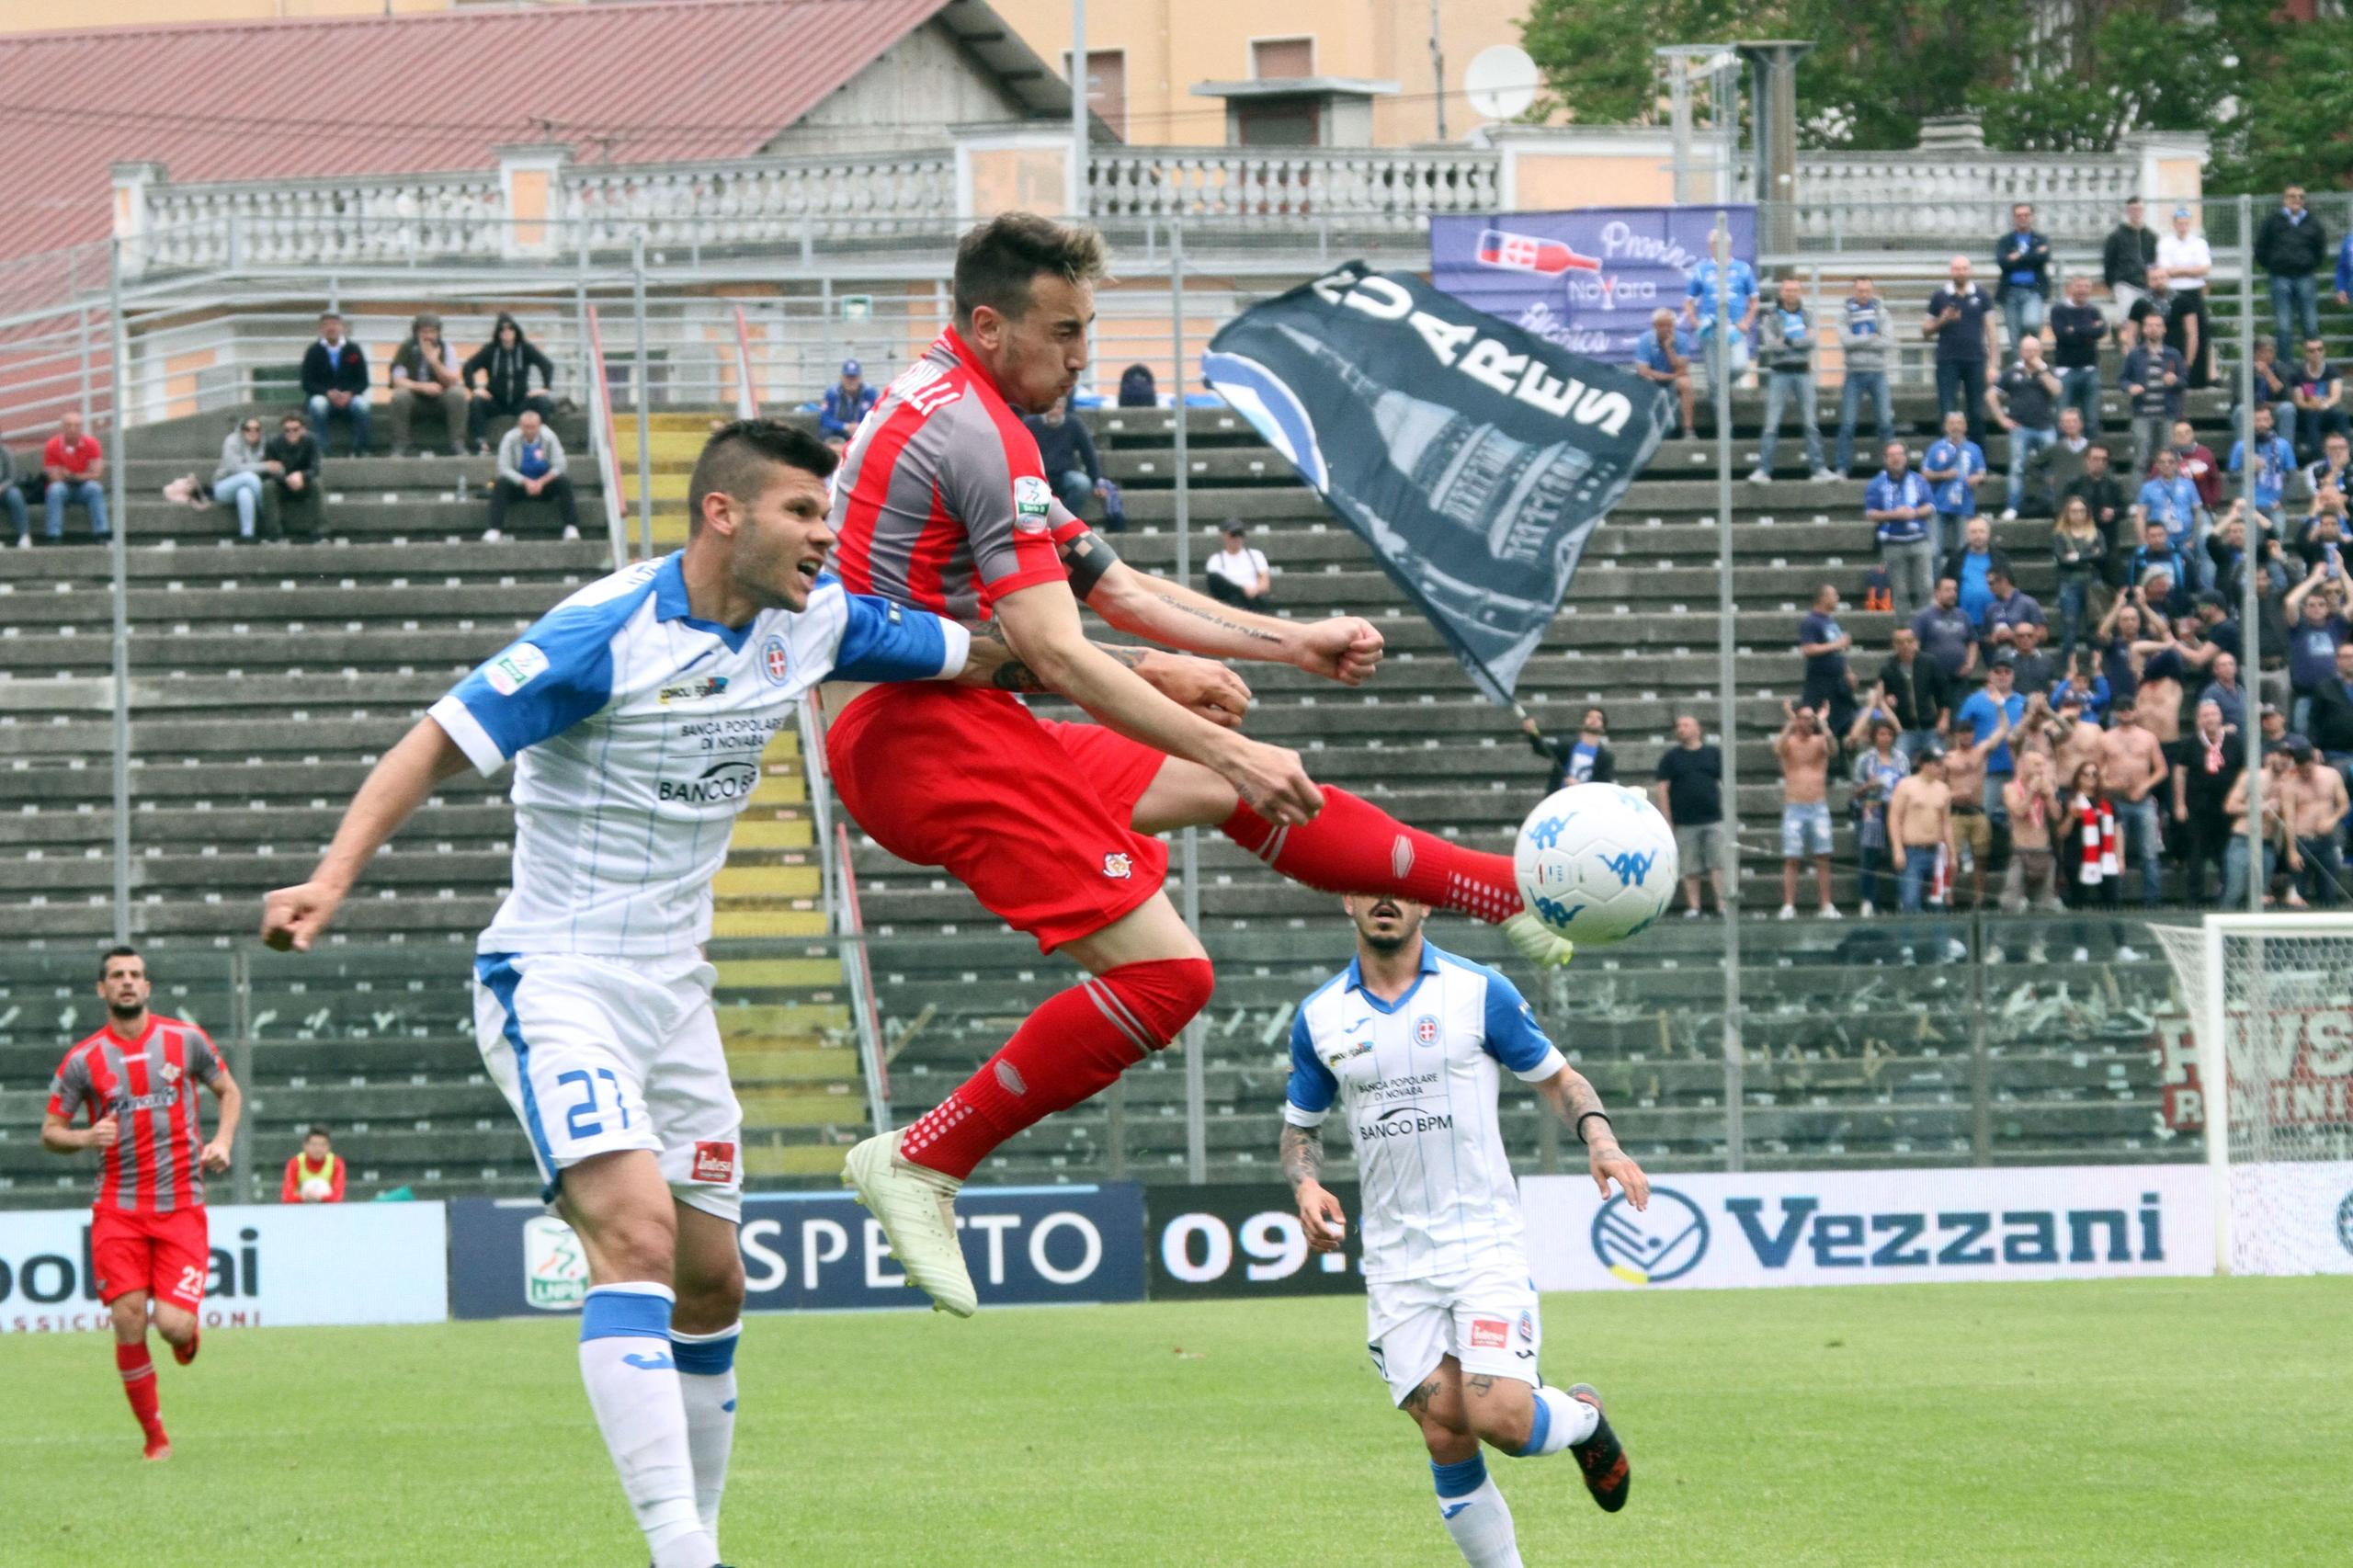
x: 339, y: 1263
x: 1873, y: 1227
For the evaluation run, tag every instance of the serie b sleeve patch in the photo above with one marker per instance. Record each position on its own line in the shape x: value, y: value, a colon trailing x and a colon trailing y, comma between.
x: 1033, y: 498
x: 515, y: 669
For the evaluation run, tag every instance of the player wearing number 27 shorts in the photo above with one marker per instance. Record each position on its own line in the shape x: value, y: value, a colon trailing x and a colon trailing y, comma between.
x: 1409, y: 1044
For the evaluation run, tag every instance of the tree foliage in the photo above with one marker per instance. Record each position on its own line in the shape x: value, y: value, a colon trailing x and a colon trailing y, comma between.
x: 2275, y: 94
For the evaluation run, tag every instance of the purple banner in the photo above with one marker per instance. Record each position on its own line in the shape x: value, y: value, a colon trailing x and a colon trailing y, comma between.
x: 1586, y: 280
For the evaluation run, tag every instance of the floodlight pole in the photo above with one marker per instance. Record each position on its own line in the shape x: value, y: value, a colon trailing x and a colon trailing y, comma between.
x: 2250, y: 567
x: 1727, y: 693
x: 1078, y: 97
x: 117, y: 586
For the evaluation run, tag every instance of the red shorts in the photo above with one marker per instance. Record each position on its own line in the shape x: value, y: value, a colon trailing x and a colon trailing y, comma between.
x: 1030, y: 813
x: 169, y: 1255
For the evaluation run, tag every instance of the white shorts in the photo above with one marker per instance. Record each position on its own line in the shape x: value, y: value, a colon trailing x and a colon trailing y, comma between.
x: 1486, y: 1320
x: 598, y: 1054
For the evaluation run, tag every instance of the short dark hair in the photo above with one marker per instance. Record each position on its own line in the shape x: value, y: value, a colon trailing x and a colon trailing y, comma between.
x: 120, y: 950
x: 737, y: 459
x: 997, y: 262
x: 316, y: 1129
x: 330, y: 315
x: 2102, y: 448
x: 1594, y: 707
x: 294, y: 415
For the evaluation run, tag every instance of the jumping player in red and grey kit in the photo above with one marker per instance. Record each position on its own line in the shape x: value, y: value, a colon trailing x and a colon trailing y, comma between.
x: 942, y: 505
x: 149, y: 1247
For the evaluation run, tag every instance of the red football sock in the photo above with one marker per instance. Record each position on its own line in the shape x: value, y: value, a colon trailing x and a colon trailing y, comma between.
x: 1354, y: 846
x: 139, y: 1386
x: 1069, y: 1050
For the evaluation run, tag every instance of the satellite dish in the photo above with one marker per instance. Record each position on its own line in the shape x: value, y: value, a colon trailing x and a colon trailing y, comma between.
x: 1500, y: 81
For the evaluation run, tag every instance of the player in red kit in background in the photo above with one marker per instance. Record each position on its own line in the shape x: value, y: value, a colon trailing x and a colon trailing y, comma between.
x: 149, y: 1247
x: 941, y: 504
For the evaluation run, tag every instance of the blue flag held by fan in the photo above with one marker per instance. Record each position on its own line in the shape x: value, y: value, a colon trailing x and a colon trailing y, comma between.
x: 1474, y: 458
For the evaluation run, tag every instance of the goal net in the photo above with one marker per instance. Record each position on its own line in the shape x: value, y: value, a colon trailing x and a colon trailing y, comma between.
x: 2270, y: 1001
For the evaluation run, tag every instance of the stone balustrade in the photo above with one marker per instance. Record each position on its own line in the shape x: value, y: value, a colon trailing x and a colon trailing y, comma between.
x: 1389, y: 188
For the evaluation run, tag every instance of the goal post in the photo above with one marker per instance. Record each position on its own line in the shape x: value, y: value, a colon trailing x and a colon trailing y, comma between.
x: 2271, y: 999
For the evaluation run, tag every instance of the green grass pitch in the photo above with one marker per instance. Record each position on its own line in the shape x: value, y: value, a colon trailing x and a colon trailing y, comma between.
x: 2139, y: 1423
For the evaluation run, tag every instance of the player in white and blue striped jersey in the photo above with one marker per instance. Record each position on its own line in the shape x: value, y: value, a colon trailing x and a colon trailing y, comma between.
x: 636, y: 712
x: 1409, y: 1044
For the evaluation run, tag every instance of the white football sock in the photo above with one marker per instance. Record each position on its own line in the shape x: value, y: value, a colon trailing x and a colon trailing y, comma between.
x: 1475, y: 1514
x: 707, y: 1383
x: 632, y: 1382
x: 1560, y: 1421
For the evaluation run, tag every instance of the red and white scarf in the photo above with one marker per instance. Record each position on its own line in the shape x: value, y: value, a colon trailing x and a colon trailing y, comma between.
x: 2102, y: 854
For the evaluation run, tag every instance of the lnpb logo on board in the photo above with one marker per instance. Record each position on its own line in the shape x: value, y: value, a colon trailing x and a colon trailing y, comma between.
x: 1651, y: 1247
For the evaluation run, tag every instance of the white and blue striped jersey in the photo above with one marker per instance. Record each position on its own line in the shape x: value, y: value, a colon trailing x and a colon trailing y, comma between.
x: 636, y: 731
x: 1417, y: 1080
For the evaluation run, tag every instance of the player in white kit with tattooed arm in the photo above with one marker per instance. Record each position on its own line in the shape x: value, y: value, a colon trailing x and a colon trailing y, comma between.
x: 1411, y: 1043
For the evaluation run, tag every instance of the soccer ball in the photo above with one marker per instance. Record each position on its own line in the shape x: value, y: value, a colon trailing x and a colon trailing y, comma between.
x: 1595, y: 862
x: 317, y: 1190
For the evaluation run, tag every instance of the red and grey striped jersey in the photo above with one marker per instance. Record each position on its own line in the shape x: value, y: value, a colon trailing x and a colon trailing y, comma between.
x: 148, y: 1085
x: 941, y: 503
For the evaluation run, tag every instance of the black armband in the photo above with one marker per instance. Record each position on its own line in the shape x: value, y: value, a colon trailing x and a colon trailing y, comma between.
x: 1086, y: 558
x: 1580, y: 1121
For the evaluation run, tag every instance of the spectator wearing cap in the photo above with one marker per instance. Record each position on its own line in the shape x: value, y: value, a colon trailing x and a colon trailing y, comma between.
x: 2125, y: 259
x: 1237, y: 574
x: 1866, y: 337
x: 846, y: 402
x: 2077, y: 329
x: 1663, y: 357
x: 498, y: 377
x: 1983, y: 712
x: 1961, y: 324
x: 425, y: 373
x: 335, y: 383
x: 2022, y: 262
x: 2290, y: 245
x: 2189, y: 261
x: 1898, y: 505
x: 1068, y: 454
x: 2025, y: 400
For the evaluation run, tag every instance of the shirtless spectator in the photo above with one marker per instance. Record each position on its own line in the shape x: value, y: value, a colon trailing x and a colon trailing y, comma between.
x: 2313, y: 795
x: 1972, y: 828
x: 1919, y: 827
x: 2079, y: 738
x: 2206, y: 765
x: 2276, y: 765
x: 2132, y: 766
x: 2034, y: 809
x: 1802, y: 748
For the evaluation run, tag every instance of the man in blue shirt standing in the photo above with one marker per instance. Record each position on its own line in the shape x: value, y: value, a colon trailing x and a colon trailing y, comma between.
x: 1898, y: 507
x: 1961, y: 324
x: 2168, y: 498
x: 1953, y: 466
x: 1983, y: 713
x: 2022, y: 257
x: 1740, y: 305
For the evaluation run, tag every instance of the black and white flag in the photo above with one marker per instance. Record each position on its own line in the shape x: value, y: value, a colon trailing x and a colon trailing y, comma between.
x: 1474, y: 458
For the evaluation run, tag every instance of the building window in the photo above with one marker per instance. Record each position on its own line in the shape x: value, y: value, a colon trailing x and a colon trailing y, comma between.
x: 1279, y: 59
x: 1107, y: 86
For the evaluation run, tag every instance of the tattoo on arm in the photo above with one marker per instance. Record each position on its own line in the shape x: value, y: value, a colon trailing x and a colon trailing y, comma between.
x: 1301, y: 1154
x: 1205, y: 613
x: 1016, y: 676
x: 1572, y: 1097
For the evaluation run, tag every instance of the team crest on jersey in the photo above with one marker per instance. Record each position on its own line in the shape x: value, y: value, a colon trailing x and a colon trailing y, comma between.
x: 515, y: 669
x: 1033, y: 500
x: 171, y: 1073
x: 1425, y: 1029
x: 1118, y: 867
x: 1488, y: 1333
x: 776, y: 663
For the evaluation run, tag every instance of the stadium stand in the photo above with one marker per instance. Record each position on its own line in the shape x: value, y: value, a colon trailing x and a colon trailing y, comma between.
x: 334, y: 647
